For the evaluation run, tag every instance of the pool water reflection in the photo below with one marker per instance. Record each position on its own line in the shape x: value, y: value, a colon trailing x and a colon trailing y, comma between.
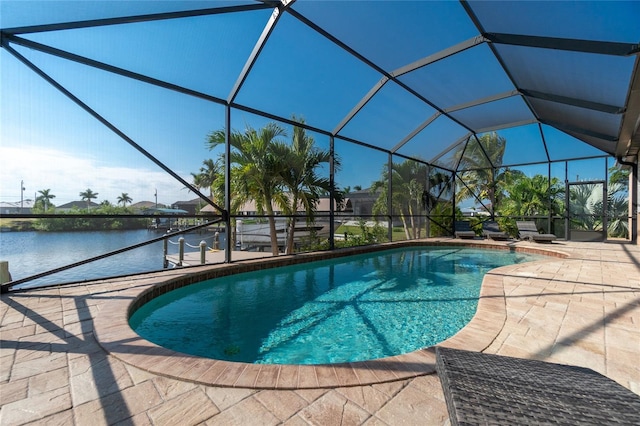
x: 341, y: 310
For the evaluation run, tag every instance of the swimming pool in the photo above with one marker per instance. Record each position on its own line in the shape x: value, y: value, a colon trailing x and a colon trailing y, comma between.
x: 342, y: 310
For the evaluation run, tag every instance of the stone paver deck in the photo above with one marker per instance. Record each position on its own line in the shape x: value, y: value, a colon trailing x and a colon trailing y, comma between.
x: 66, y: 357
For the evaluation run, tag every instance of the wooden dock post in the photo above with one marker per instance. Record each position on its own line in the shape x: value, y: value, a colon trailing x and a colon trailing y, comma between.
x: 181, y: 252
x: 203, y: 252
x: 165, y: 249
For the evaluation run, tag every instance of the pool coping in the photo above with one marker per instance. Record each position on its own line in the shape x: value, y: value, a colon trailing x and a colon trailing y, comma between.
x: 113, y: 333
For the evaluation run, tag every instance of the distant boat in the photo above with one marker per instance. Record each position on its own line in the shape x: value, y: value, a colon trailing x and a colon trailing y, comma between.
x: 164, y: 223
x: 251, y: 236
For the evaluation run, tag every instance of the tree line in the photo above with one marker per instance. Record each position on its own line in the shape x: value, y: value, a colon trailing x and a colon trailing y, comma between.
x: 506, y: 193
x: 276, y: 173
x: 77, y: 220
x: 43, y: 202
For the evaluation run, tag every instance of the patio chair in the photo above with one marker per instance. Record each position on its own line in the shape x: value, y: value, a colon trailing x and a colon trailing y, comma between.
x: 527, y: 231
x: 463, y: 230
x: 482, y: 388
x: 491, y: 230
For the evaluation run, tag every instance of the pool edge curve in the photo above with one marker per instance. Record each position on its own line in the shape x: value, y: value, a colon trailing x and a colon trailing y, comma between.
x: 114, y: 335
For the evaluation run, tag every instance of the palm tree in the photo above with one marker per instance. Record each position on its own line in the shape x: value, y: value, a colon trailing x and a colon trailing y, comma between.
x: 618, y: 202
x: 87, y: 196
x: 619, y: 176
x: 479, y: 161
x: 408, y: 186
x: 258, y: 170
x: 124, y: 199
x: 437, y: 201
x: 440, y: 188
x: 617, y: 210
x: 300, y: 178
x: 209, y: 173
x: 585, y: 205
x: 587, y: 208
x: 45, y: 197
x: 522, y: 196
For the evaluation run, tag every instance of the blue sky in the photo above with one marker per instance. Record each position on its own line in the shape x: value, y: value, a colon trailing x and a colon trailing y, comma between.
x: 50, y: 143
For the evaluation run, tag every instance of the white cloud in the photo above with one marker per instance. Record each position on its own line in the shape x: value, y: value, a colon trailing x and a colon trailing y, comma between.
x: 66, y: 175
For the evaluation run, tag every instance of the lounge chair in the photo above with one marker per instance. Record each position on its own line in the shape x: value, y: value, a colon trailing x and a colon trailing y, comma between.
x: 527, y: 231
x: 492, y: 231
x: 463, y: 230
x: 492, y: 389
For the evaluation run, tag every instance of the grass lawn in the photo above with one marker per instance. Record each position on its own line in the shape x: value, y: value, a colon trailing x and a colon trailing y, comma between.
x: 16, y: 224
x: 397, y: 233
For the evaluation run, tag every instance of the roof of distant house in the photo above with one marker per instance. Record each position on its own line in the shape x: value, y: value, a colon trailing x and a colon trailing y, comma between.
x: 27, y: 204
x: 143, y: 205
x: 195, y: 201
x: 77, y: 204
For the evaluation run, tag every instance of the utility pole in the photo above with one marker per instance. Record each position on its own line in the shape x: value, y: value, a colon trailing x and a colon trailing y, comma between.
x: 22, y: 189
x: 156, y: 195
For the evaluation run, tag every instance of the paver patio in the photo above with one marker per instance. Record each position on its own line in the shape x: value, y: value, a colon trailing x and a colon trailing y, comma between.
x: 581, y: 310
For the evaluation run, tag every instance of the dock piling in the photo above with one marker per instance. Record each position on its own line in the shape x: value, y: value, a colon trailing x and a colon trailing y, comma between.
x: 203, y: 252
x: 165, y: 249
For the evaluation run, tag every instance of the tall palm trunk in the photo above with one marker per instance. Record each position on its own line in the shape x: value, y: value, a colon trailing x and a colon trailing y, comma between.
x: 404, y: 225
x: 413, y: 222
x: 291, y: 227
x: 272, y: 228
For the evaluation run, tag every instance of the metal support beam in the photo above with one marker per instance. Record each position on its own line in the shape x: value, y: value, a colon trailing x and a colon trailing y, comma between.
x: 575, y: 129
x: 573, y: 45
x: 113, y: 128
x: 628, y: 143
x: 480, y: 27
x: 411, y: 135
x: 443, y: 54
x: 332, y: 194
x: 5, y: 288
x: 428, y: 205
x: 390, y: 197
x: 484, y: 151
x: 487, y: 99
x: 253, y: 57
x: 544, y: 143
x: 227, y: 183
x: 566, y: 201
x: 356, y: 109
x: 377, y: 68
x: 484, y: 100
x: 549, y: 200
x: 633, y: 191
x: 133, y: 19
x: 449, y: 148
x: 10, y: 39
x: 507, y: 126
x: 634, y: 181
x: 596, y: 106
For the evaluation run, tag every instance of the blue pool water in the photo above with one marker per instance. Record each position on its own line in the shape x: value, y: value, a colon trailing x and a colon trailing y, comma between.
x: 342, y: 310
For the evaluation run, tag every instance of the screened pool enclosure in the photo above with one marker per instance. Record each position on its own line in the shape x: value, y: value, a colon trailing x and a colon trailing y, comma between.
x: 288, y: 126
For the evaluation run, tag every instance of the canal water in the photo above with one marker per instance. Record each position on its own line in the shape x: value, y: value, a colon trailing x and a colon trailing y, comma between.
x: 30, y: 253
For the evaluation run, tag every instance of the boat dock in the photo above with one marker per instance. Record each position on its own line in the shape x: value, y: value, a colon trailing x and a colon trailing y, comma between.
x: 213, y: 256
